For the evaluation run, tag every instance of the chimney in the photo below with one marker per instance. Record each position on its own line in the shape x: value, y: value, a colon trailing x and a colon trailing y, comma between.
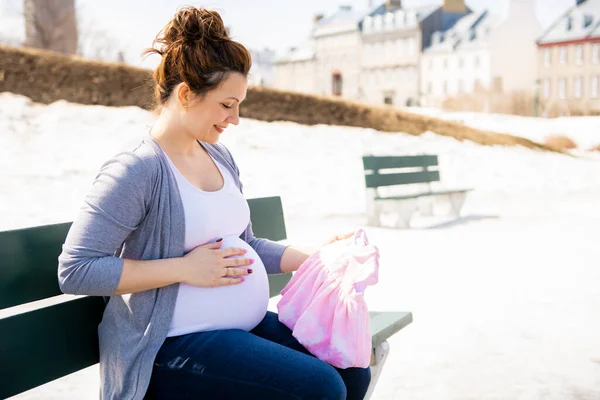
x: 454, y: 6
x: 392, y: 4
x: 579, y: 2
x: 317, y: 18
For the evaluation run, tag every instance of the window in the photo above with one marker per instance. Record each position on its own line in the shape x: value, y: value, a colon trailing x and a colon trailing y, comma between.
x: 477, y: 61
x: 563, y: 55
x: 547, y: 56
x: 546, y: 88
x: 461, y: 87
x: 429, y: 87
x: 562, y: 88
x: 594, y: 87
x: 431, y: 64
x: 445, y: 63
x: 596, y: 53
x: 336, y: 84
x: 577, y: 87
x: 388, y: 98
x: 579, y: 54
x: 460, y: 62
x: 445, y: 89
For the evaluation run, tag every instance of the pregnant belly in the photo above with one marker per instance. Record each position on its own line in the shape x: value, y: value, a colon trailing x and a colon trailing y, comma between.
x: 240, y: 306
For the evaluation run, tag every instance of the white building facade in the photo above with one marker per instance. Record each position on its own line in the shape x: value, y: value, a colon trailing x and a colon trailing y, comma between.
x: 568, y: 63
x: 390, y: 57
x: 373, y: 56
x: 480, y: 54
x: 296, y: 69
x: 338, y: 45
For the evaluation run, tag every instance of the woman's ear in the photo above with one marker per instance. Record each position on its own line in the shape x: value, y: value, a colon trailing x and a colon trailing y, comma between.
x: 184, y: 95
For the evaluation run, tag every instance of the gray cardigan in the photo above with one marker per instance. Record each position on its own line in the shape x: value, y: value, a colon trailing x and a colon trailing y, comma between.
x: 134, y: 210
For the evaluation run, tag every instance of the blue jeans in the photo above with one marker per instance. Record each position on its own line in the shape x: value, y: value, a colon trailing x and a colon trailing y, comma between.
x: 266, y: 363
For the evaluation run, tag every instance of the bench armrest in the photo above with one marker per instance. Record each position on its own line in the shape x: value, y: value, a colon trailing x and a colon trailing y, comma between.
x: 385, y: 324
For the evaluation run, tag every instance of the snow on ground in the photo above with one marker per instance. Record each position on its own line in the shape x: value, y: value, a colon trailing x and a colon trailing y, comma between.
x: 583, y: 130
x: 505, y: 299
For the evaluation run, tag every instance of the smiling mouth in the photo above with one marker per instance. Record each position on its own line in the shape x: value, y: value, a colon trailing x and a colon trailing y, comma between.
x: 219, y: 129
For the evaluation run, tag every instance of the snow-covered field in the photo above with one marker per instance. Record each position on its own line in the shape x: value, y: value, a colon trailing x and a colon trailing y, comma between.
x: 506, y: 299
x: 583, y: 130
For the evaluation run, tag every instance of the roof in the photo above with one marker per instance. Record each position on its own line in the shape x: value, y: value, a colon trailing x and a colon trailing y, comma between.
x: 303, y: 52
x: 421, y: 12
x: 577, y: 23
x: 471, y: 31
x: 382, y: 18
x: 344, y: 14
x: 344, y: 19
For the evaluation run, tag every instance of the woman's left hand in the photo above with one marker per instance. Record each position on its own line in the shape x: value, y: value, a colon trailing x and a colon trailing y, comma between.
x: 340, y: 237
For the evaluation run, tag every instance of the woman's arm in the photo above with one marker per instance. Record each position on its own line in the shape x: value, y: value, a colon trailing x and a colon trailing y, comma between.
x: 293, y: 257
x: 114, y: 207
x: 138, y: 276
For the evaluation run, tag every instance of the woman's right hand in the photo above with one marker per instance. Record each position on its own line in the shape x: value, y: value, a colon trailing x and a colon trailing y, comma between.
x: 209, y: 266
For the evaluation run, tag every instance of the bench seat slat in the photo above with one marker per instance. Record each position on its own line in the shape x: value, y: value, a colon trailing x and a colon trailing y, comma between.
x: 385, y: 324
x: 45, y: 344
x: 423, y: 194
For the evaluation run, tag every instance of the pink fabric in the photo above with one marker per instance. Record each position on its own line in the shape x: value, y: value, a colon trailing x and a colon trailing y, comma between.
x: 324, y: 305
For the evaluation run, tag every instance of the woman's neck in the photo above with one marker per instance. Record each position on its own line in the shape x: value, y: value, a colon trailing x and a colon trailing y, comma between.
x: 172, y: 138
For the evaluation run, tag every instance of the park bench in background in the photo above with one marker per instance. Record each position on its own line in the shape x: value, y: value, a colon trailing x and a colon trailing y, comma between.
x: 385, y: 172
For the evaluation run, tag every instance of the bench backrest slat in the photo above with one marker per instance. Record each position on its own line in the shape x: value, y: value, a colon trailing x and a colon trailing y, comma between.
x: 383, y: 162
x: 419, y: 169
x: 401, y: 179
x: 49, y: 342
x: 28, y: 262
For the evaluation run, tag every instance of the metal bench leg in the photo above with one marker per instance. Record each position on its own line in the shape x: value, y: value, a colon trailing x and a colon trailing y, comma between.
x: 378, y: 358
x: 457, y: 200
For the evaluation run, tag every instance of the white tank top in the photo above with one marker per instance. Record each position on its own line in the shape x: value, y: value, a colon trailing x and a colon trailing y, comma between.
x: 209, y: 216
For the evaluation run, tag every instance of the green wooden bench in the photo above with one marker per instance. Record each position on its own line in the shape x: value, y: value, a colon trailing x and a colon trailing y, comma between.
x: 393, y: 171
x: 44, y: 337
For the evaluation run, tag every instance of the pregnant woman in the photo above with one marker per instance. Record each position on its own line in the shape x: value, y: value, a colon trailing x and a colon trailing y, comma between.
x: 165, y: 235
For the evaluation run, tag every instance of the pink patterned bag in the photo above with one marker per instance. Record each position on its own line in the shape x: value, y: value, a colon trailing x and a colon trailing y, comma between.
x: 324, y: 305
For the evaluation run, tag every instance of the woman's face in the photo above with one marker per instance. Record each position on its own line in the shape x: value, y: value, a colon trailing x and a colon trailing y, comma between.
x: 206, y: 118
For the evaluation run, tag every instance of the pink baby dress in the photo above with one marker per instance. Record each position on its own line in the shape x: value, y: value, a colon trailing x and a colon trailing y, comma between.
x: 324, y: 305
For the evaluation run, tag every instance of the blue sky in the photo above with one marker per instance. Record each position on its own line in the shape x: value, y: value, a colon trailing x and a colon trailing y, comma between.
x: 256, y: 23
